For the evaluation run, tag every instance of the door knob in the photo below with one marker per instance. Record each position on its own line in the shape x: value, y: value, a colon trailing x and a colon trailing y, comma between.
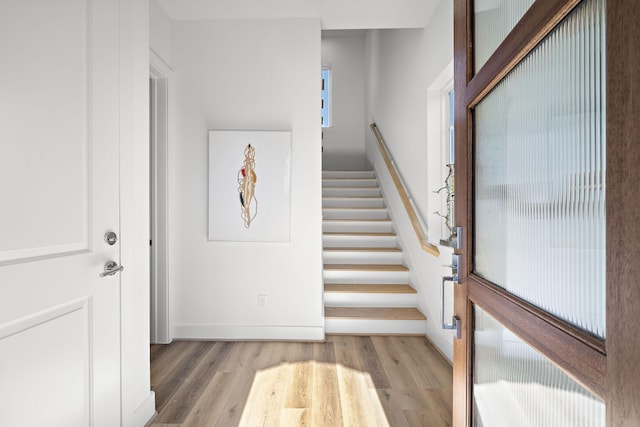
x: 111, y: 268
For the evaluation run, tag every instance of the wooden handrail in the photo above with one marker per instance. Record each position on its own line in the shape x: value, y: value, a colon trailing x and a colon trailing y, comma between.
x: 404, y: 196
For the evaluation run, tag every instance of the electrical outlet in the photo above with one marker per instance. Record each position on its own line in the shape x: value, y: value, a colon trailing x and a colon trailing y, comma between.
x: 262, y: 301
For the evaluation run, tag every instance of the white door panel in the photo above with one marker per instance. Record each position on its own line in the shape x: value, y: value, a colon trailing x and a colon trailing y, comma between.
x: 59, y: 186
x: 44, y: 125
x: 48, y: 357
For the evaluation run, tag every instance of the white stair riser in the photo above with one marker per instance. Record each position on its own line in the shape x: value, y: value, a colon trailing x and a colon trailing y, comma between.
x: 345, y: 241
x: 352, y: 202
x: 375, y: 327
x: 347, y: 299
x: 357, y: 214
x: 362, y: 257
x: 356, y: 276
x: 356, y: 183
x: 357, y: 227
x: 351, y: 192
x: 347, y: 174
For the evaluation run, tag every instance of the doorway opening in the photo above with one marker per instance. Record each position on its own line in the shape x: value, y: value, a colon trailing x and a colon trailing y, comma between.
x: 160, y: 324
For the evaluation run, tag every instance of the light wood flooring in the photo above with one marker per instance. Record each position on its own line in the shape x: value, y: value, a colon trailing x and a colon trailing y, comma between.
x: 345, y: 381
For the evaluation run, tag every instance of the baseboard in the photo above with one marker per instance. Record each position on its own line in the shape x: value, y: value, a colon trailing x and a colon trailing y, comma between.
x: 241, y: 333
x: 445, y: 356
x: 145, y: 411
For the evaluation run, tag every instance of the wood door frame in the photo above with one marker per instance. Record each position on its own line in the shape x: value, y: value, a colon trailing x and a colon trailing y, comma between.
x: 623, y: 212
x: 609, y: 368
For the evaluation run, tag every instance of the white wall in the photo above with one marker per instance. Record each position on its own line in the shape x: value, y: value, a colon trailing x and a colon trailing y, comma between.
x: 334, y: 14
x: 340, y: 14
x: 343, y: 142
x: 403, y: 65
x: 245, y: 75
x: 159, y: 32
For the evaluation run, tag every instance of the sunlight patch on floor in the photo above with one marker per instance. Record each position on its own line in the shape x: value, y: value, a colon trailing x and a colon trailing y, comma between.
x: 311, y: 393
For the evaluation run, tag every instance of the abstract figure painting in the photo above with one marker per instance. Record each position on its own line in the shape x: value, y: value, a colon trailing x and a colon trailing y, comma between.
x: 246, y: 186
x: 236, y: 160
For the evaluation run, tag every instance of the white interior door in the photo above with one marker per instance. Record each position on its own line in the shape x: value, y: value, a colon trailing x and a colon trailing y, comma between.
x: 59, y: 192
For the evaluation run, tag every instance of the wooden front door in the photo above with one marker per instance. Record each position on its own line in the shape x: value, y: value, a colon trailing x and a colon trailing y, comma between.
x: 547, y: 154
x: 59, y: 196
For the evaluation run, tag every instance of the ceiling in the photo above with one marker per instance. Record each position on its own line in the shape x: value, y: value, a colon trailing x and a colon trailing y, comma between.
x: 334, y: 14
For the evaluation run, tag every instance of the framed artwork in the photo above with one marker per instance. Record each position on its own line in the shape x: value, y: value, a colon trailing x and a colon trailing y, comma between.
x: 249, y: 186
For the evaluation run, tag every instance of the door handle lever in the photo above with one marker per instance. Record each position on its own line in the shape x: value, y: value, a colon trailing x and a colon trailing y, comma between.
x: 111, y: 268
x: 455, y: 320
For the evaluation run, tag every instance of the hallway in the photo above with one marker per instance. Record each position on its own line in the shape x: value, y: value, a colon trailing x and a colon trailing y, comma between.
x: 347, y: 380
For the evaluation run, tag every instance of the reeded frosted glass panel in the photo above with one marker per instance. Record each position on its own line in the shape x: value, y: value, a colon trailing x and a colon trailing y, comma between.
x: 540, y: 175
x: 514, y: 385
x: 493, y: 21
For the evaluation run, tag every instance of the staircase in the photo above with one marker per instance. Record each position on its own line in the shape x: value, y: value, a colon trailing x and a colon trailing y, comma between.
x: 366, y: 283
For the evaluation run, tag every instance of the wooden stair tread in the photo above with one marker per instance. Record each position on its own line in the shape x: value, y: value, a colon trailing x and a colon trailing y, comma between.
x: 348, y: 208
x: 369, y: 288
x: 374, y: 313
x: 350, y: 180
x: 352, y: 197
x: 356, y: 220
x: 351, y: 187
x: 356, y: 233
x: 364, y: 250
x: 361, y: 249
x: 367, y: 267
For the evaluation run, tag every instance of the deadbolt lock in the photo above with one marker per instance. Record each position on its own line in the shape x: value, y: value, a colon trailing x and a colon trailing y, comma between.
x: 111, y: 238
